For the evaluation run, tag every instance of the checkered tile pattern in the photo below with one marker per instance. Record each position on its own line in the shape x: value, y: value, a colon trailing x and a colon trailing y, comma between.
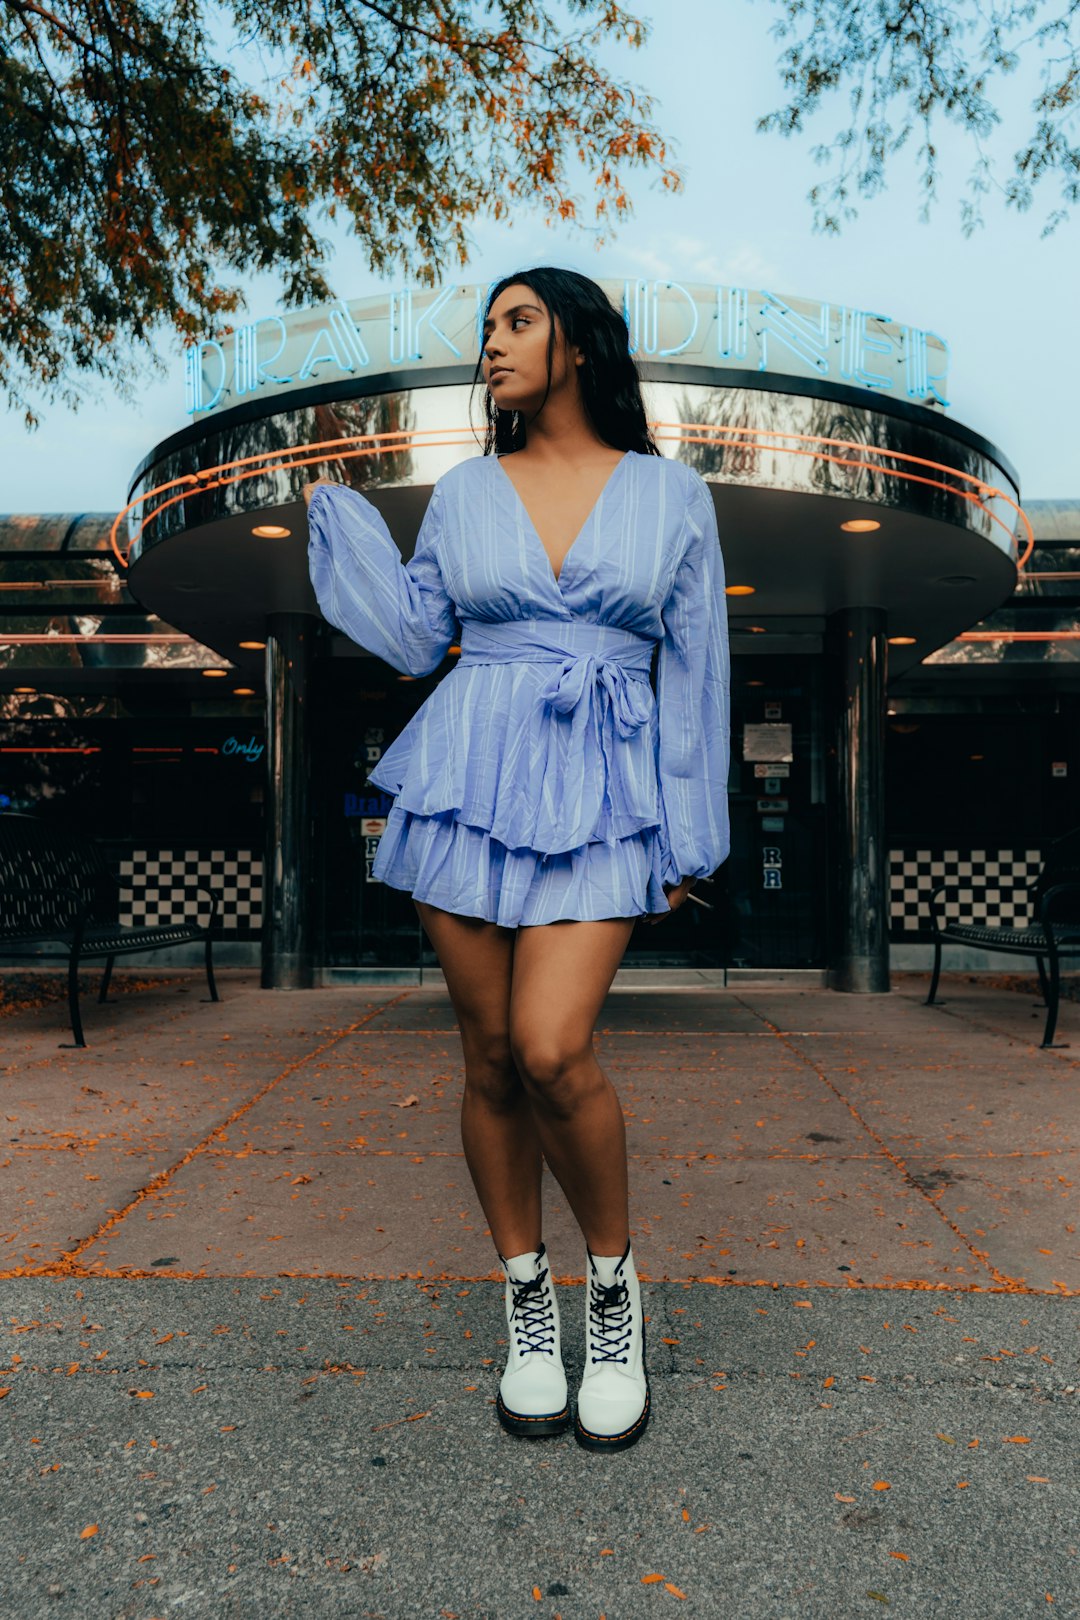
x: 990, y: 886
x: 159, y: 886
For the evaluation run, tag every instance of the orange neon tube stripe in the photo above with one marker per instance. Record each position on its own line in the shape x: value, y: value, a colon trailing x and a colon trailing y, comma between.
x: 815, y: 438
x: 97, y: 750
x: 28, y: 638
x: 991, y: 490
x: 252, y: 472
x: 1018, y: 635
x: 889, y: 472
x: 204, y: 479
x: 686, y: 433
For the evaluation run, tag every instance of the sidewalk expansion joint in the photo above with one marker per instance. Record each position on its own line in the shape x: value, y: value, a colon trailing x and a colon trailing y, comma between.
x: 68, y: 1263
x: 886, y: 1153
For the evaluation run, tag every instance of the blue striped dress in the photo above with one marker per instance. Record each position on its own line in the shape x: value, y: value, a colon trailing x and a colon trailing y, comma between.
x: 542, y: 779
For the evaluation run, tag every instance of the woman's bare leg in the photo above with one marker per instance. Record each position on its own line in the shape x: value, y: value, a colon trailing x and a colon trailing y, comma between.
x: 498, y: 1132
x: 562, y: 973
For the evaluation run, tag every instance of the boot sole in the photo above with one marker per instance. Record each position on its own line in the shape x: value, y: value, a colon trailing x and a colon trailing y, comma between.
x: 532, y: 1427
x: 614, y: 1442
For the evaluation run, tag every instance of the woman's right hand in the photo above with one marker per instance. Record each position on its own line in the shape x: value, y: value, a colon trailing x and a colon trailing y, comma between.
x: 309, y: 489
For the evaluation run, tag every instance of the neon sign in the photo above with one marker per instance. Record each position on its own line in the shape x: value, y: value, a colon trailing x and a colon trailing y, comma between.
x: 251, y: 750
x: 714, y: 327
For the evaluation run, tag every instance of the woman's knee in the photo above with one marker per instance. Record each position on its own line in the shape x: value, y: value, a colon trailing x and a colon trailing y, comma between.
x: 490, y: 1069
x: 555, y: 1068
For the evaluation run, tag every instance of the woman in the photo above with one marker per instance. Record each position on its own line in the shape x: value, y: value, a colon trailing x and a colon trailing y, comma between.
x: 544, y: 799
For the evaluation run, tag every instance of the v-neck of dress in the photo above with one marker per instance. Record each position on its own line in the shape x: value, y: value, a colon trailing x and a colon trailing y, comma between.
x: 557, y: 578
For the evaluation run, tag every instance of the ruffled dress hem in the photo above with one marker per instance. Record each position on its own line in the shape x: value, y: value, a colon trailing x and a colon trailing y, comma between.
x: 460, y: 868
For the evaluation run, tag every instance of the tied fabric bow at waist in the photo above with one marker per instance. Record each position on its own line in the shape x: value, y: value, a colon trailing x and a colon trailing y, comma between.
x: 582, y: 784
x: 540, y: 737
x: 583, y: 656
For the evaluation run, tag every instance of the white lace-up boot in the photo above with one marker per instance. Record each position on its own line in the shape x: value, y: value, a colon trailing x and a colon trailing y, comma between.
x: 532, y: 1391
x: 613, y: 1400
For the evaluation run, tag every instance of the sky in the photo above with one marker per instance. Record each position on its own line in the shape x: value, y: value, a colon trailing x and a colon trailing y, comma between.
x: 1004, y: 299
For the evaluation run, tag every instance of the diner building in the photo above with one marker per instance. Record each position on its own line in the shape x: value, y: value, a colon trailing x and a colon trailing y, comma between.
x: 905, y: 684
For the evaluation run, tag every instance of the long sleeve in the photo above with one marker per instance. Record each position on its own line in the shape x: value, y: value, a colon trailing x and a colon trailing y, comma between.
x: 693, y: 701
x: 399, y: 611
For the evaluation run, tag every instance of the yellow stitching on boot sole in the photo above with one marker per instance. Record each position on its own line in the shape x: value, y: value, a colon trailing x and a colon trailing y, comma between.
x: 525, y: 1417
x: 609, y: 1438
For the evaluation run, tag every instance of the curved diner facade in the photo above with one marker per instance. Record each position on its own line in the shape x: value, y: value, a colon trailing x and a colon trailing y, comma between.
x: 863, y: 531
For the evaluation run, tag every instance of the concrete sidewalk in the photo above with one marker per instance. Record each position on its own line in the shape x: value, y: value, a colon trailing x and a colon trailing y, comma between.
x: 253, y: 1320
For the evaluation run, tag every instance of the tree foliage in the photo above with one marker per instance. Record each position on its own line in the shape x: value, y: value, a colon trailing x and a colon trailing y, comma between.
x: 908, y: 63
x: 149, y: 148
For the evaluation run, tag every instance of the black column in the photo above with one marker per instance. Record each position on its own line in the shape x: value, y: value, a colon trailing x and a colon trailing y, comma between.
x: 856, y: 647
x: 289, y: 895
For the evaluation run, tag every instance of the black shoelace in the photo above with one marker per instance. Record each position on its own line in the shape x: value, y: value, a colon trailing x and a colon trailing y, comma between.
x: 609, y: 1309
x: 536, y: 1328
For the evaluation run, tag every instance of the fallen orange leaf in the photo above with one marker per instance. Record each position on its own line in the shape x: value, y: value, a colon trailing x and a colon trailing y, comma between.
x: 647, y: 1580
x: 882, y: 1485
x: 904, y: 1556
x: 673, y: 1588
x: 1016, y: 1440
x: 91, y: 1530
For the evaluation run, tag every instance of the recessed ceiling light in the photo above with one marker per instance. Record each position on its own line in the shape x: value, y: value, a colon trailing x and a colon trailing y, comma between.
x: 243, y: 691
x: 860, y: 525
x: 739, y: 590
x: 756, y: 629
x: 30, y: 691
x: 271, y: 531
x: 221, y: 673
x: 755, y: 683
x: 255, y: 646
x: 901, y: 641
x: 976, y: 756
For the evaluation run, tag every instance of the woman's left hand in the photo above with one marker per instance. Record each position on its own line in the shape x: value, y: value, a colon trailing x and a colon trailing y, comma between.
x: 675, y: 897
x: 309, y: 489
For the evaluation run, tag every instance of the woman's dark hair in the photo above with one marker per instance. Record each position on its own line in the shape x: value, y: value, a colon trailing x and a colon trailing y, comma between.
x: 610, y: 384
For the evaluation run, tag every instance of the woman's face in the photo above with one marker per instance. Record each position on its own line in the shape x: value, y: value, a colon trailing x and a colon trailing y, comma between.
x: 515, y: 352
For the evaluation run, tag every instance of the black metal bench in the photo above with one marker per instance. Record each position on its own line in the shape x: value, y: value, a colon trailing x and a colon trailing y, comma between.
x: 1052, y: 934
x: 56, y: 888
